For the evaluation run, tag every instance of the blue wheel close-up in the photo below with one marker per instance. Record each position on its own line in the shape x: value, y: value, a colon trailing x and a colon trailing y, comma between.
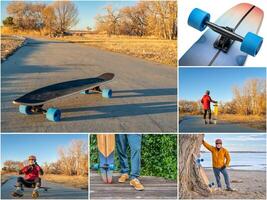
x: 198, y: 18
x: 107, y: 93
x: 85, y: 92
x: 25, y: 109
x: 53, y: 114
x: 95, y: 166
x: 112, y: 167
x: 251, y: 44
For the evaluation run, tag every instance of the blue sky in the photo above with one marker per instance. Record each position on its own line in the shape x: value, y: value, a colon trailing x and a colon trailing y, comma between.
x: 220, y: 81
x: 87, y: 10
x: 238, y: 142
x: 45, y: 146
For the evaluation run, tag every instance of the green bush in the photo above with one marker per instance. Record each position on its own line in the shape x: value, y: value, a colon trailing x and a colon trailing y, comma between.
x: 159, y: 155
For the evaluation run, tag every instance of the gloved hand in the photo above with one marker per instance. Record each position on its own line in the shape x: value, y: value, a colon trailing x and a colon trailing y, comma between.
x: 223, y: 167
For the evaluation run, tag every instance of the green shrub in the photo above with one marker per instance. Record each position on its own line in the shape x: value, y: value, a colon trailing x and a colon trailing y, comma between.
x: 159, y: 155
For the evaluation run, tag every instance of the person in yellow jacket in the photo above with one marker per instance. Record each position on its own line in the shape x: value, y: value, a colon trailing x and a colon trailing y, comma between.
x: 220, y: 161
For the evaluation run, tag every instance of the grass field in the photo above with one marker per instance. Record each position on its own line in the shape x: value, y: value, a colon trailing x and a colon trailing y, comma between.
x: 254, y: 121
x: 160, y: 51
x: 74, y: 181
x: 148, y: 48
x: 9, y: 45
x: 5, y: 176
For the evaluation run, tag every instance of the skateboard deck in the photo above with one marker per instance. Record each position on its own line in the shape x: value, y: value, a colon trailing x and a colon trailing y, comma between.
x: 33, y: 102
x: 106, y: 148
x: 241, y: 19
x: 42, y: 188
x: 35, y: 195
x: 215, y: 113
x: 203, y: 174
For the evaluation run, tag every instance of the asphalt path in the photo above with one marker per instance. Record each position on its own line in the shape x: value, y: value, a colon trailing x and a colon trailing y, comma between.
x: 55, y: 191
x: 144, y: 93
x: 195, y: 124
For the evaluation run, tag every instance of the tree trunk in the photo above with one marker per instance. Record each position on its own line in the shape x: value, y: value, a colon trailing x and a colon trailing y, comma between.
x: 190, y: 181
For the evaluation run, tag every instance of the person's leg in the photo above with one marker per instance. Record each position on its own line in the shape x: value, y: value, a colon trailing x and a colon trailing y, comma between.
x: 121, y: 145
x: 134, y: 141
x: 209, y: 111
x: 19, y: 187
x: 37, y: 182
x: 217, y: 177
x: 204, y: 114
x: 226, y: 178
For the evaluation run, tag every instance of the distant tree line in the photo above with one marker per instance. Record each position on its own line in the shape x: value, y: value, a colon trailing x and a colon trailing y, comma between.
x: 146, y: 18
x: 54, y: 18
x: 249, y: 99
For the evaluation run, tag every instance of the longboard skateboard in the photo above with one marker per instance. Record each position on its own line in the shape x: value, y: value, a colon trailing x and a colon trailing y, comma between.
x: 228, y: 41
x: 34, y: 195
x: 106, y: 148
x: 203, y: 174
x: 215, y: 113
x: 33, y: 102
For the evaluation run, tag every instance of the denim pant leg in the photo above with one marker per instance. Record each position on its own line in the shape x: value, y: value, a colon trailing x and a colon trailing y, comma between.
x: 226, y: 178
x: 121, y: 145
x: 217, y: 176
x: 134, y: 141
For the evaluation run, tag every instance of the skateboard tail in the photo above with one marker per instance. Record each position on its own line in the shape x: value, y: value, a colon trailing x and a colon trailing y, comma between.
x: 105, y: 162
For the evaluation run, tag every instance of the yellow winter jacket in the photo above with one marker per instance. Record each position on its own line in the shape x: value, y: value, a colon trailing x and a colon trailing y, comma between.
x: 219, y: 158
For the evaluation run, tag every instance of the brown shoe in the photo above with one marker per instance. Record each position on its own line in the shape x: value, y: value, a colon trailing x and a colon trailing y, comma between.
x: 137, y: 185
x: 123, y: 178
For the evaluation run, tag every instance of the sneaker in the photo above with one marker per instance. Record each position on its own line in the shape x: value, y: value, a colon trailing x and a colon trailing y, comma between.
x: 229, y: 189
x: 206, y: 122
x: 18, y: 192
x: 123, y: 178
x: 35, y: 193
x: 136, y: 184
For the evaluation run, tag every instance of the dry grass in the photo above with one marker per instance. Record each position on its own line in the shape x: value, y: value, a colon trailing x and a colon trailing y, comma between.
x: 9, y: 45
x: 160, y: 51
x: 74, y: 181
x: 254, y: 121
x: 6, y: 176
x: 148, y: 48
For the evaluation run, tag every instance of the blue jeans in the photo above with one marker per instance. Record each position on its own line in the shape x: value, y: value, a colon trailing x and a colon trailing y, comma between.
x: 217, y: 172
x: 134, y: 141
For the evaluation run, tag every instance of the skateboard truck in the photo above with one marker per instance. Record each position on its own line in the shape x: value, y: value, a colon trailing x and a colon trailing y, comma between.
x: 250, y: 44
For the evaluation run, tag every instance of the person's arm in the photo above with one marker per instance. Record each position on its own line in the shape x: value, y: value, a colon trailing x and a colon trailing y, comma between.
x: 228, y: 158
x: 208, y: 146
x: 213, y: 101
x: 41, y: 171
x: 202, y: 100
x: 25, y: 169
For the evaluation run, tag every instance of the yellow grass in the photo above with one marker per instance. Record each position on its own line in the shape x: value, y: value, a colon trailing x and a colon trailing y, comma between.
x: 254, y: 121
x: 74, y: 181
x: 5, y: 176
x: 148, y: 48
x: 8, y: 46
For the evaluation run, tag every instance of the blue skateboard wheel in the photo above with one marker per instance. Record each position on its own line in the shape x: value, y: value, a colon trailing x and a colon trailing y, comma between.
x: 85, y: 92
x: 25, y: 109
x: 112, y: 167
x: 198, y: 18
x: 53, y: 114
x: 251, y: 44
x: 95, y: 166
x: 107, y: 93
